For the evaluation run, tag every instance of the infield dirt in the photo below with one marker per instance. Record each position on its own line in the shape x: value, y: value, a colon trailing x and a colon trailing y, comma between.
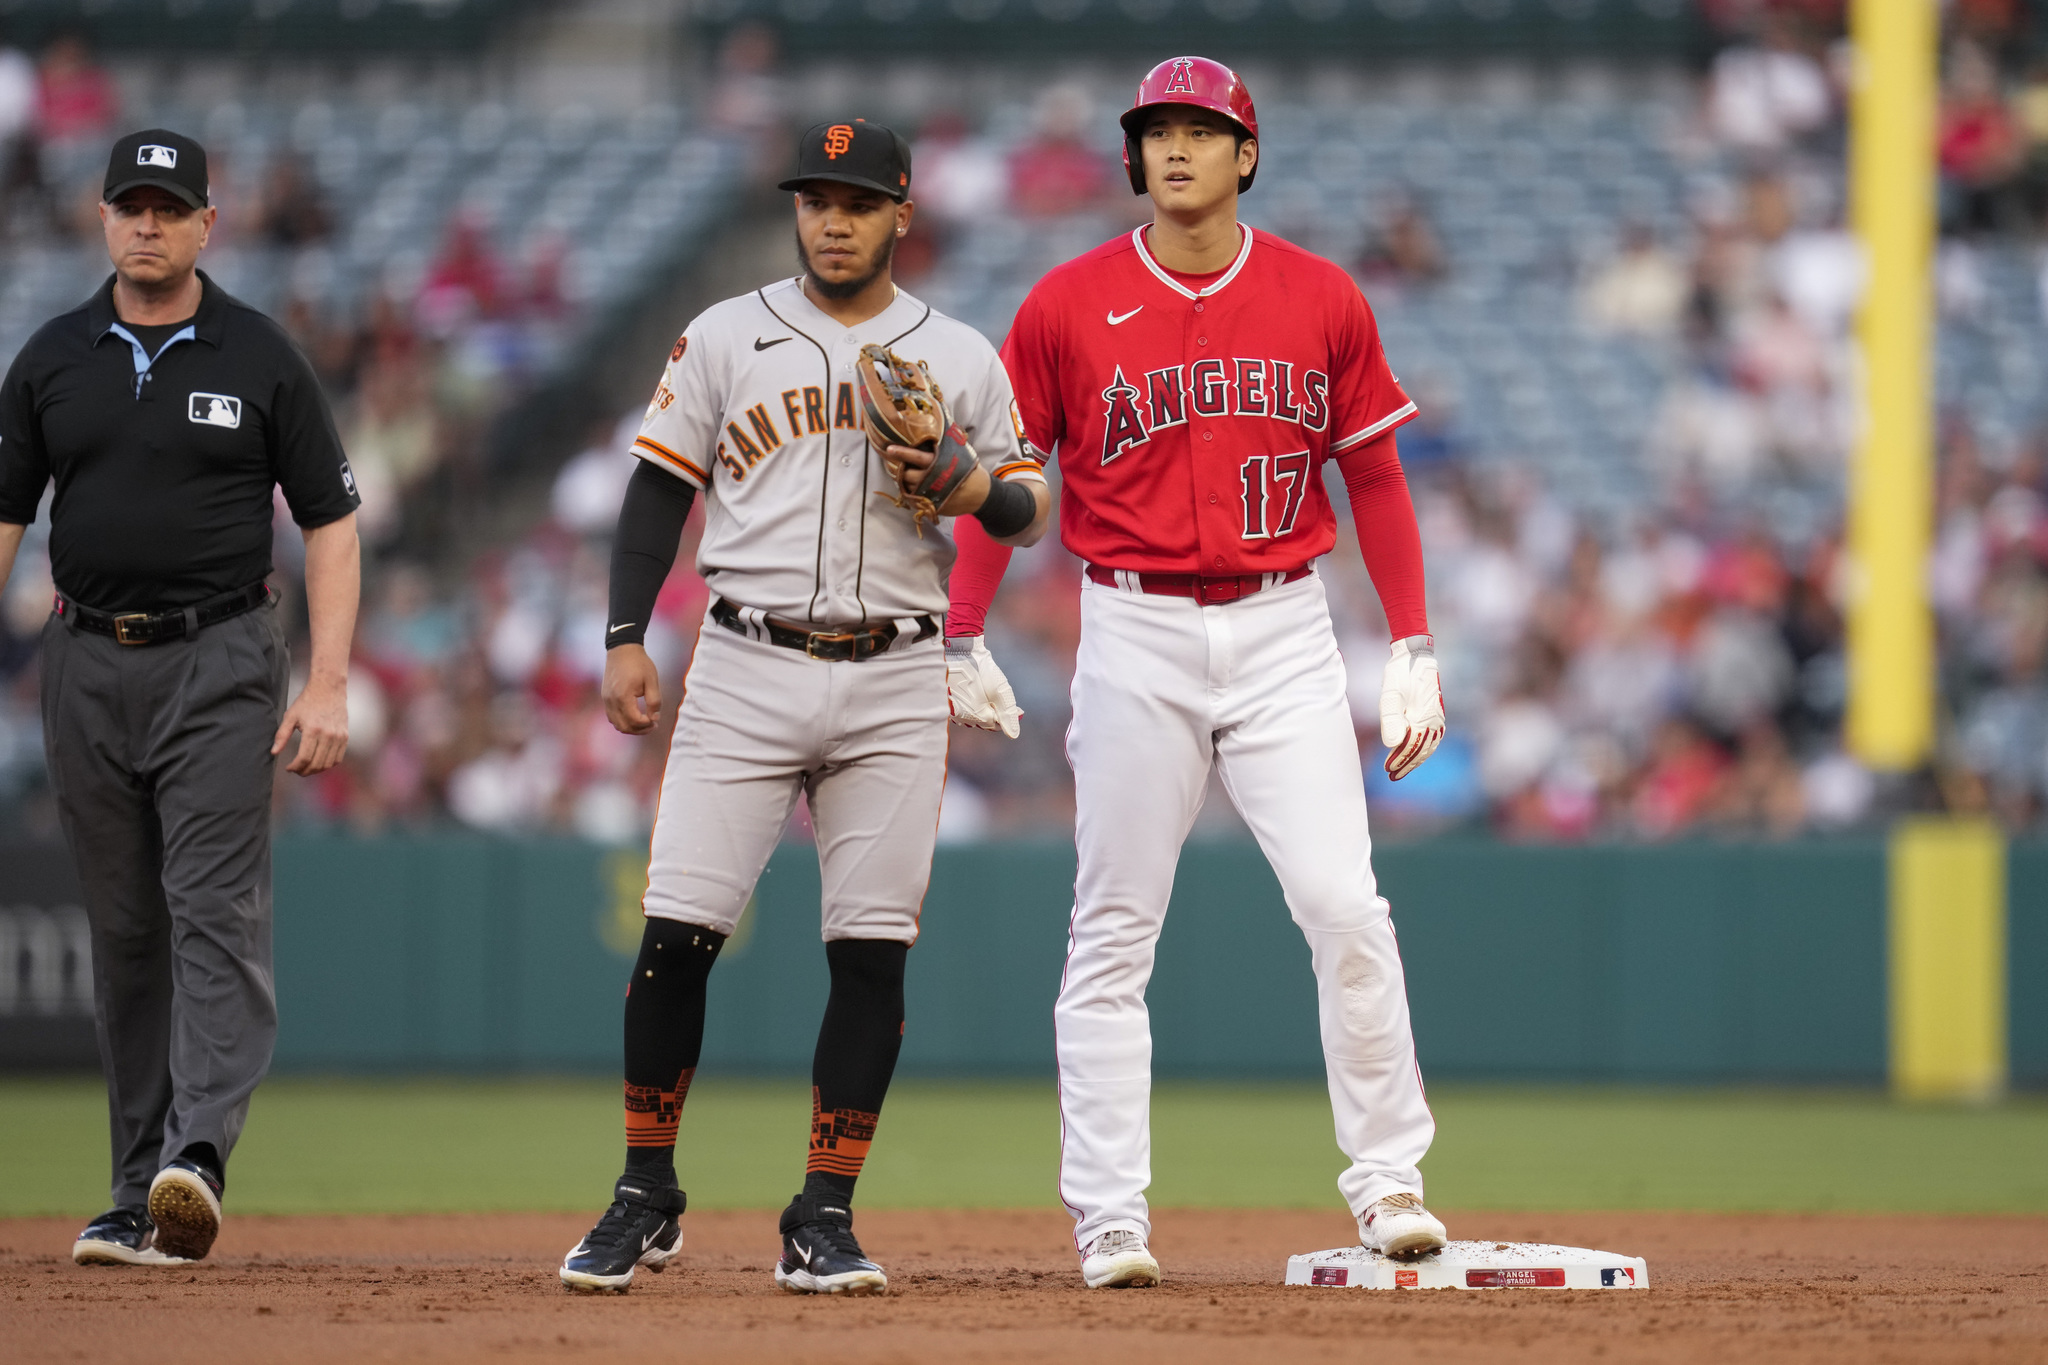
x: 979, y: 1286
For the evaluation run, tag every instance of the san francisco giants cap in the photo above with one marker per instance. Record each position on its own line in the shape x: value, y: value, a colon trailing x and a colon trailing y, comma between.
x: 160, y: 157
x: 853, y: 153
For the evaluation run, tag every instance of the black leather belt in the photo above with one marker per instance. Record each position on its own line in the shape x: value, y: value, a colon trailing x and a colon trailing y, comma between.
x: 172, y: 623
x: 838, y: 646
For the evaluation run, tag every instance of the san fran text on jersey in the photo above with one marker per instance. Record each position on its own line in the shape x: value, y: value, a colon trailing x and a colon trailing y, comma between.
x: 757, y: 408
x: 803, y: 414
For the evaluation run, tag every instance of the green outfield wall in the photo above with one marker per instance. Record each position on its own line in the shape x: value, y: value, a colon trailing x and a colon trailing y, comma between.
x: 1678, y: 963
x: 2027, y: 955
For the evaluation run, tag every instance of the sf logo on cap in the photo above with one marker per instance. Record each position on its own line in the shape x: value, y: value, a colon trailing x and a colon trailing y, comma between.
x: 150, y: 154
x: 838, y: 140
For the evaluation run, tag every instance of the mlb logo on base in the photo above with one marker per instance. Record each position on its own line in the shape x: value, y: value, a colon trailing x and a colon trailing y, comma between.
x: 153, y: 154
x: 215, y: 410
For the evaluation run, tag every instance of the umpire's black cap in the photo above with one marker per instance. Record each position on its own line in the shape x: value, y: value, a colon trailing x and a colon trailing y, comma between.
x: 853, y: 153
x: 160, y: 157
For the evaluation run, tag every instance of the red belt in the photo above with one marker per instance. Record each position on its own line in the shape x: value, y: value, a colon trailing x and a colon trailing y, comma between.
x: 1203, y: 588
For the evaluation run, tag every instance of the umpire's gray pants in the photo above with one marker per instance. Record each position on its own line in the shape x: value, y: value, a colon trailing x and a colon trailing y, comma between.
x: 160, y: 758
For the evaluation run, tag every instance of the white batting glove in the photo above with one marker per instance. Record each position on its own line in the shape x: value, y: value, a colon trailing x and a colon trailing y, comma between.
x: 976, y: 691
x: 1411, y: 705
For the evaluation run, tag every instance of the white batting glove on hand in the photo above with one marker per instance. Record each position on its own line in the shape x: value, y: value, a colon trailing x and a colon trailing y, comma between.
x: 976, y: 690
x: 1411, y: 705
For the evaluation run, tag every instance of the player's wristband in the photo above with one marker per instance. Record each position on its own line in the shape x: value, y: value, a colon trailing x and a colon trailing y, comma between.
x: 650, y: 527
x: 1008, y: 509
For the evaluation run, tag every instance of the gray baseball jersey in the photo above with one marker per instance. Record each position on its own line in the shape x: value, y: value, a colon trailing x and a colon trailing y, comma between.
x: 758, y: 408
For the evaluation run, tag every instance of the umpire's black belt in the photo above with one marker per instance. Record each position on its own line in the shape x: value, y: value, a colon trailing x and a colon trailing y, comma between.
x: 836, y: 645
x: 172, y: 623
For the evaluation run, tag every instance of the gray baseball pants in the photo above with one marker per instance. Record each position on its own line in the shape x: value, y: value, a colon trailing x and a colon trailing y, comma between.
x: 865, y: 740
x: 160, y: 759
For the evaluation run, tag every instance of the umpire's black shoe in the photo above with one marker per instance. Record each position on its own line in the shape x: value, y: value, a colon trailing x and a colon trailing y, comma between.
x: 184, y: 1203
x: 120, y: 1237
x: 642, y: 1227
x: 819, y: 1254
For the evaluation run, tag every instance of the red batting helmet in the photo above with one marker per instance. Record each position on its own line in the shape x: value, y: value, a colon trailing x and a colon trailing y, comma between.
x: 1188, y: 80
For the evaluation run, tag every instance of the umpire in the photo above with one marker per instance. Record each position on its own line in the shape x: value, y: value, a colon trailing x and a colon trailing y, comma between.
x: 166, y: 411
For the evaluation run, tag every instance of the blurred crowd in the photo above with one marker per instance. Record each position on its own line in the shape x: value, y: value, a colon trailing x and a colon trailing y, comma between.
x: 1780, y: 80
x: 1673, y: 671
x: 418, y: 363
x: 415, y: 365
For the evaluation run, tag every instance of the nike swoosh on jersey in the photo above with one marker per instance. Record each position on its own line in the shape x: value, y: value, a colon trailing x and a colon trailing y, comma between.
x: 761, y: 345
x: 1114, y: 320
x: 616, y: 629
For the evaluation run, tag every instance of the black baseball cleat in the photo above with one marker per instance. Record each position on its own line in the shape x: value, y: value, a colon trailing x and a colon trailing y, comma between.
x: 819, y: 1254
x: 120, y: 1237
x: 184, y: 1203
x: 642, y: 1227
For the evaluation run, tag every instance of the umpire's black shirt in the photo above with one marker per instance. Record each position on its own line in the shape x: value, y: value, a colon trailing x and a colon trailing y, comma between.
x: 164, y: 465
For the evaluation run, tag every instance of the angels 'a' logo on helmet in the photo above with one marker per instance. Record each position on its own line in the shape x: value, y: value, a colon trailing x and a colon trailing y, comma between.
x: 1181, y: 81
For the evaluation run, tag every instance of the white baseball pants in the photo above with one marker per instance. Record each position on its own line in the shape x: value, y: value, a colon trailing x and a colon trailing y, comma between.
x: 1164, y: 688
x: 865, y: 739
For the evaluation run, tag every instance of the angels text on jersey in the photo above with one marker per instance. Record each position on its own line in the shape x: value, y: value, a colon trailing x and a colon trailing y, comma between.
x: 1193, y: 418
x: 1211, y: 388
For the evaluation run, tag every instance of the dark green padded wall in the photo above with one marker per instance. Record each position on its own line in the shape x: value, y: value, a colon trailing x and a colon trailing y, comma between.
x: 1686, y: 962
x: 2026, y: 893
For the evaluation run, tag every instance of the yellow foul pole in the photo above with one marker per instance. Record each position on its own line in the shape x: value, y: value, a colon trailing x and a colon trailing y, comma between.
x: 1947, y: 940
x: 1891, y: 482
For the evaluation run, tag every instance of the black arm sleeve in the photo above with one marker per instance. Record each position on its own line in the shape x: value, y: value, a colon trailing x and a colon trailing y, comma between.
x: 1009, y: 508
x: 650, y: 528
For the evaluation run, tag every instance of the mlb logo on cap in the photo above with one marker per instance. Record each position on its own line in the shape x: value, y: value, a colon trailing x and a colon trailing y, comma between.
x: 160, y: 157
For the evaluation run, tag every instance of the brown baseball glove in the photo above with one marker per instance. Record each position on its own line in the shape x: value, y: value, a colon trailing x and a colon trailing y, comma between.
x: 904, y: 406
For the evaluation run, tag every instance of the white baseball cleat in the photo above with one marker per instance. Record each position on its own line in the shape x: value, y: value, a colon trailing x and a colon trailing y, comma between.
x: 1118, y: 1260
x: 1399, y: 1226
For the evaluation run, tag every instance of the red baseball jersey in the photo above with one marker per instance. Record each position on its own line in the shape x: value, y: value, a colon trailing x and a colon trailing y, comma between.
x: 1192, y: 423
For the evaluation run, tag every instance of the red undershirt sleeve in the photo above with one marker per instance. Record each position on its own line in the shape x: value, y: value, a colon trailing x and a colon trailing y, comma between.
x: 977, y: 573
x: 1387, y: 534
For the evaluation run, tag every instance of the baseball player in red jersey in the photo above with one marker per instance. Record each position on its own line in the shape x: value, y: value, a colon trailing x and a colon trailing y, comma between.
x: 1193, y: 378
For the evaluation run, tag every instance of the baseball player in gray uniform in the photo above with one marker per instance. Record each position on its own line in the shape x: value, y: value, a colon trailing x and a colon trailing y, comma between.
x: 820, y: 669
